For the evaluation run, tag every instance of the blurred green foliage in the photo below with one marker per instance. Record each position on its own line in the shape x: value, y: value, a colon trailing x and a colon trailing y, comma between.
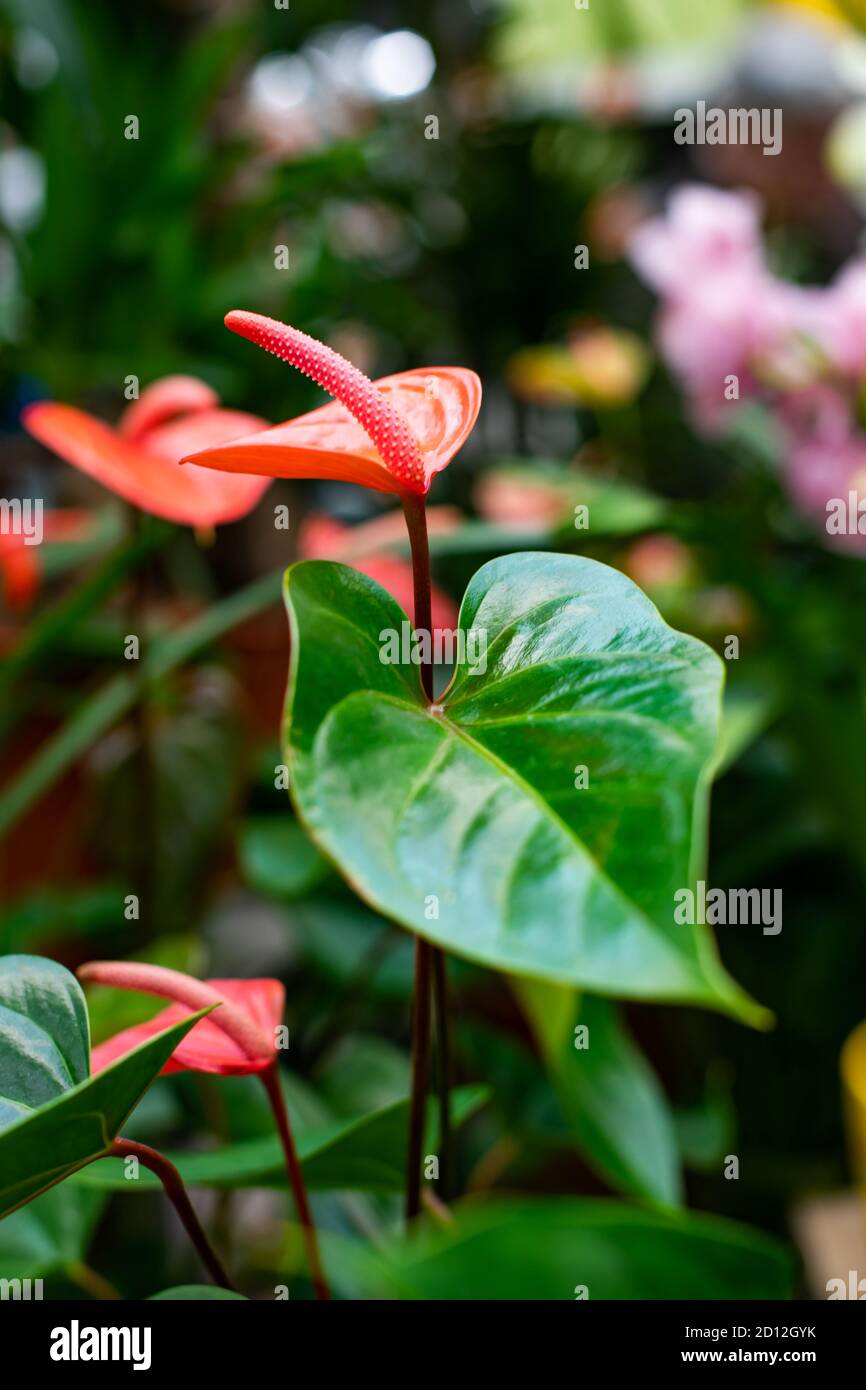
x: 141, y: 248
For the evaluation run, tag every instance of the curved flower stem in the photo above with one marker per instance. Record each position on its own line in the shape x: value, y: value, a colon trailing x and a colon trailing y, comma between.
x: 429, y: 959
x: 176, y: 1193
x: 271, y: 1082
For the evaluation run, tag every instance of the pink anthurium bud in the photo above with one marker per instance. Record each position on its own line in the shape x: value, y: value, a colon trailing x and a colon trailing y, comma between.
x: 241, y: 1040
x: 241, y: 1033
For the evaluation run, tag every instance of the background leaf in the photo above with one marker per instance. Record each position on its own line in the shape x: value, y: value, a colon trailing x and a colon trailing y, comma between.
x: 364, y: 1154
x: 548, y: 1249
x: 50, y: 1234
x: 95, y: 715
x: 278, y: 859
x: 609, y: 1094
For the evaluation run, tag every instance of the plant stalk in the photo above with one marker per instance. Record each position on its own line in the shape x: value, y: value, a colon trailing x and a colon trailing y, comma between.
x: 430, y: 968
x: 418, y: 1097
x: 415, y: 512
x: 176, y: 1193
x: 271, y: 1081
x: 443, y: 1059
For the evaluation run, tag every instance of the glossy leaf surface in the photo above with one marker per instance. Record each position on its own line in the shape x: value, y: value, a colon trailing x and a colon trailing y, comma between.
x: 463, y: 822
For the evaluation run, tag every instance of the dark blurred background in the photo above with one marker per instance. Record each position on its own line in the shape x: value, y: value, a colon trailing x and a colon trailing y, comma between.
x: 310, y: 128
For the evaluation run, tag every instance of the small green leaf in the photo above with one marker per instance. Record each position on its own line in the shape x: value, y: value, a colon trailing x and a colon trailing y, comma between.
x: 463, y: 821
x: 47, y: 1145
x: 616, y: 506
x: 746, y: 713
x: 608, y: 1092
x: 278, y: 859
x: 706, y: 1131
x: 366, y: 1154
x: 556, y: 1248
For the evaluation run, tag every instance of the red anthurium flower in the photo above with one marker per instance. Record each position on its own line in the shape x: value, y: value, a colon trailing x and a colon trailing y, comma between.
x: 364, y: 548
x: 392, y: 435
x: 20, y: 564
x: 139, y: 459
x: 237, y: 1039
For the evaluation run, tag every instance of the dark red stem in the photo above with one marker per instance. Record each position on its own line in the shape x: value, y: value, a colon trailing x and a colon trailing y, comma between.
x: 415, y: 512
x: 429, y: 959
x: 418, y: 1096
x: 271, y: 1081
x: 176, y: 1193
x: 440, y: 1000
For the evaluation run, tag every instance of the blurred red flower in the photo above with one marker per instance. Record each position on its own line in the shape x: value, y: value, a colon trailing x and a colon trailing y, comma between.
x: 20, y: 562
x: 139, y: 459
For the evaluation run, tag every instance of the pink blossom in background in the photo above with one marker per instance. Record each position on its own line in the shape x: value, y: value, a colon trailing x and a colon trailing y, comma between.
x: 722, y: 310
x: 706, y: 232
x: 841, y: 325
x: 826, y: 457
x: 799, y: 349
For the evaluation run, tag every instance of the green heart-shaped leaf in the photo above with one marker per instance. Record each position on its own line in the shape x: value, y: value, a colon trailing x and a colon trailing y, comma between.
x: 463, y: 822
x: 59, y: 1118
